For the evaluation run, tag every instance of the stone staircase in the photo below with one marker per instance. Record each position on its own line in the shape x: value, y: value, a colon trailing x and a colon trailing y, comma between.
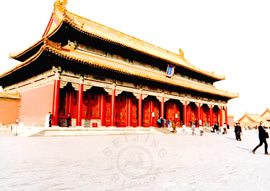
x: 163, y: 130
x: 82, y: 131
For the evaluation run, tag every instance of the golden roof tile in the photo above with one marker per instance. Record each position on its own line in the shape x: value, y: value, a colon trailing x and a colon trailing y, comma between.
x: 267, y: 111
x: 121, y: 67
x: 5, y: 95
x: 133, y: 70
x: 255, y: 118
x: 90, y: 27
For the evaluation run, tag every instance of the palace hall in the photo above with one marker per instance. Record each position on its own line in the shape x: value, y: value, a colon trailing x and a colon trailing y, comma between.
x: 102, y: 77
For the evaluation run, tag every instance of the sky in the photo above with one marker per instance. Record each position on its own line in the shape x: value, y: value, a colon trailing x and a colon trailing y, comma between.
x: 229, y: 37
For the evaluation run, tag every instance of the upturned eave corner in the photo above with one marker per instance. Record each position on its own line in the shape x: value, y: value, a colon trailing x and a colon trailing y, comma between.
x: 60, y: 5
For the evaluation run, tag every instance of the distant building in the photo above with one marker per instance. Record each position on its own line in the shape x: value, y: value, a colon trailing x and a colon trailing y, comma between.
x: 252, y: 120
x: 9, y: 108
x: 266, y: 115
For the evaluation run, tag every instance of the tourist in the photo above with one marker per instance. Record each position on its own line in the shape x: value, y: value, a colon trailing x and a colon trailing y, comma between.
x: 193, y: 128
x: 201, y: 130
x: 184, y: 128
x: 224, y: 128
x: 217, y: 128
x: 159, y: 122
x: 263, y: 135
x: 164, y: 123
x: 169, y: 125
x: 174, y: 127
x: 50, y: 119
x: 68, y: 120
x: 213, y: 128
x: 238, y: 131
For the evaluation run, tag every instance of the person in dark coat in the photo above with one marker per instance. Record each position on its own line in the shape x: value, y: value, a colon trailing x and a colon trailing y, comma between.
x: 68, y: 120
x: 50, y: 119
x: 262, y: 137
x: 238, y: 131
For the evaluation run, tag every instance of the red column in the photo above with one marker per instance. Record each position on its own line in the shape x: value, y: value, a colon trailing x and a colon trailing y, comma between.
x: 202, y: 114
x: 220, y: 116
x: 162, y: 108
x: 113, y: 107
x: 56, y: 87
x: 102, y: 109
x: 199, y: 114
x: 80, y: 101
x: 151, y: 110
x: 129, y: 112
x: 140, y: 111
x: 189, y: 113
x: 226, y: 115
x: 185, y: 113
x: 211, y: 116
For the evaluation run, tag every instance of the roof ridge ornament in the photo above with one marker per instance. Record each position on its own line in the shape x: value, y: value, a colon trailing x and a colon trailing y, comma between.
x: 181, y: 52
x: 61, y: 5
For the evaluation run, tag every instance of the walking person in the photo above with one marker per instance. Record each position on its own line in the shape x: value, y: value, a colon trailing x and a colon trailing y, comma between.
x: 169, y: 124
x: 184, y: 128
x: 224, y: 128
x: 68, y: 120
x: 193, y: 128
x: 263, y: 135
x: 238, y: 131
x: 217, y: 129
x: 201, y: 130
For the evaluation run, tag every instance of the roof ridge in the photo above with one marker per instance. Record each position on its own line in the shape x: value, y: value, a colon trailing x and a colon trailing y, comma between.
x: 183, y: 62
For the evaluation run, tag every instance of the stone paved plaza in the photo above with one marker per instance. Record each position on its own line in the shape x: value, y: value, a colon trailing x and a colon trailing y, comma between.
x: 133, y: 162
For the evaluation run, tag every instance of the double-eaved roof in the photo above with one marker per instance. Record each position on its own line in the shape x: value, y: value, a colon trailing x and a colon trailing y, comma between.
x: 60, y: 15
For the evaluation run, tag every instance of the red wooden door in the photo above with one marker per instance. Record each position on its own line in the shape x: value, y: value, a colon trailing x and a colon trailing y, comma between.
x: 134, y: 112
x: 155, y: 113
x: 91, y: 106
x: 215, y: 116
x: 121, y: 112
x: 205, y: 115
x: 107, y: 111
x: 146, y: 113
x: 192, y: 113
x: 172, y: 110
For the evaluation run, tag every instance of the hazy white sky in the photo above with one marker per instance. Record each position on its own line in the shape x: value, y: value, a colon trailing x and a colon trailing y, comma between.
x: 229, y: 37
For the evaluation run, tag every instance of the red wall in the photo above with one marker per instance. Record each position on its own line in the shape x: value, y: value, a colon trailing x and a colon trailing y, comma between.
x: 35, y: 105
x: 9, y: 111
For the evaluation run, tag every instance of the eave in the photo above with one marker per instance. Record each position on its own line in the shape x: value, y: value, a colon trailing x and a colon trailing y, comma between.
x: 105, y: 63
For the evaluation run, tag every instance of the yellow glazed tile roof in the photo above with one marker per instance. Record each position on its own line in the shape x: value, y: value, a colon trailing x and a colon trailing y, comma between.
x: 119, y: 66
x: 266, y: 112
x: 255, y: 118
x: 90, y: 27
x: 5, y: 95
x: 128, y: 69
